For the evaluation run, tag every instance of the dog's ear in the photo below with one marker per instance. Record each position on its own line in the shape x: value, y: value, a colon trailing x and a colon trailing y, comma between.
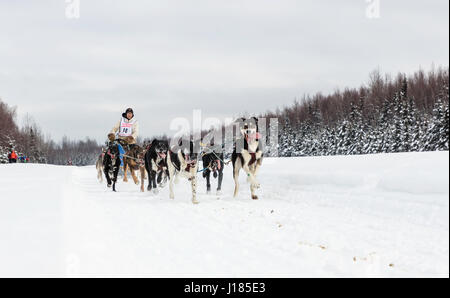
x: 255, y: 121
x: 191, y: 147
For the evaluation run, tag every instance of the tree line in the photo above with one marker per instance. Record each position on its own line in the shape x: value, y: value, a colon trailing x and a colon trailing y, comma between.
x: 385, y: 115
x: 29, y: 141
x: 401, y: 114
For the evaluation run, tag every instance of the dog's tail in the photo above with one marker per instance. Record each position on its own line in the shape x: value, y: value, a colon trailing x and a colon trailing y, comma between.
x: 98, y: 164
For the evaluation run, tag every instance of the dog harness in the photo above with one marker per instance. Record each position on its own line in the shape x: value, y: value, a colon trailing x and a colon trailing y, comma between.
x: 253, y: 160
x: 111, y: 155
x: 253, y: 137
x: 189, y: 164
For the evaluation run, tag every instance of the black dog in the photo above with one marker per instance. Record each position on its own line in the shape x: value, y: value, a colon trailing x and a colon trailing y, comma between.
x: 213, y: 163
x: 156, y: 164
x: 111, y: 164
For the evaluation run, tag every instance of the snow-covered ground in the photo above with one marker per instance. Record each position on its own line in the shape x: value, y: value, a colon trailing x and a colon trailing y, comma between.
x: 377, y: 215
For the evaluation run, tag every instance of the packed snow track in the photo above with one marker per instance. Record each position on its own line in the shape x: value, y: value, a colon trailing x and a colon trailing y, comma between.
x: 384, y: 215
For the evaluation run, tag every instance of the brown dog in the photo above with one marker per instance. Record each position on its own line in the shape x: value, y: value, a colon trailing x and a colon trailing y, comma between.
x: 133, y: 160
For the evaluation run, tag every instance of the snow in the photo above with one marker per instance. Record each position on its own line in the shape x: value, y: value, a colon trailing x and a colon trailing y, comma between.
x: 384, y: 215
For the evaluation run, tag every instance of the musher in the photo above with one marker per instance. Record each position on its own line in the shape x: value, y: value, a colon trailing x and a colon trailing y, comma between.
x: 127, y: 130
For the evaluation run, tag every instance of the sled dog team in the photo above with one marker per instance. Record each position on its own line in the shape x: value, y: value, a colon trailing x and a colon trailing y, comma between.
x: 161, y: 164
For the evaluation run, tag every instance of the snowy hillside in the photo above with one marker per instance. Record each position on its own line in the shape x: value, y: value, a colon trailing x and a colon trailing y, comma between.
x: 373, y: 215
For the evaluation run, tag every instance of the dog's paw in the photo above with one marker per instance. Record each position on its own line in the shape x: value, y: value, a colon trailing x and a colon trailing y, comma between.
x: 155, y: 191
x: 218, y: 193
x: 109, y: 185
x: 254, y: 197
x: 194, y: 201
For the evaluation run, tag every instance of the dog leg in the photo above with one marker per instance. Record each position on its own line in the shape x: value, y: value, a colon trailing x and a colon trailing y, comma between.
x: 256, y: 170
x: 251, y: 178
x: 162, y: 179
x: 208, y: 181
x: 252, y: 190
x: 236, y: 170
x: 150, y: 177
x: 125, y: 167
x: 108, y: 179
x: 250, y: 175
x: 115, y: 174
x: 142, y: 170
x: 219, y: 182
x: 154, y: 182
x: 133, y: 175
x: 114, y: 180
x: 171, y: 195
x: 171, y: 178
x: 194, y: 189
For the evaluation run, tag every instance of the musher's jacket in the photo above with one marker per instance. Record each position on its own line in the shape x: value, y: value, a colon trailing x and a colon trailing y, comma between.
x: 13, y: 155
x: 126, y: 128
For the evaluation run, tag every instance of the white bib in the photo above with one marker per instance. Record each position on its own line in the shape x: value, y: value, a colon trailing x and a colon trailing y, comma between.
x: 126, y: 128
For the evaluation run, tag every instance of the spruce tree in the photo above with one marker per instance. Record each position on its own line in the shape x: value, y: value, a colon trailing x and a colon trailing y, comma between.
x: 398, y: 127
x: 437, y: 136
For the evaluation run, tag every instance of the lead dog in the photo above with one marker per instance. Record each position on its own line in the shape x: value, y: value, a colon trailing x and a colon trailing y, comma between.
x: 247, y: 154
x: 183, y: 162
x: 156, y: 164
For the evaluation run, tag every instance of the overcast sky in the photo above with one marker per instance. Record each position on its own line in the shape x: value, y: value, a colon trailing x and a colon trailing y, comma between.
x: 165, y: 58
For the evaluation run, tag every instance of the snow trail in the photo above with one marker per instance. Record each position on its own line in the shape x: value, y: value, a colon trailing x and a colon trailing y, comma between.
x: 373, y: 215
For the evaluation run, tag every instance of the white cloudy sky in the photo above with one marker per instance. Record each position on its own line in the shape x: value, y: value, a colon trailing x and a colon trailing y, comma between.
x: 165, y: 58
